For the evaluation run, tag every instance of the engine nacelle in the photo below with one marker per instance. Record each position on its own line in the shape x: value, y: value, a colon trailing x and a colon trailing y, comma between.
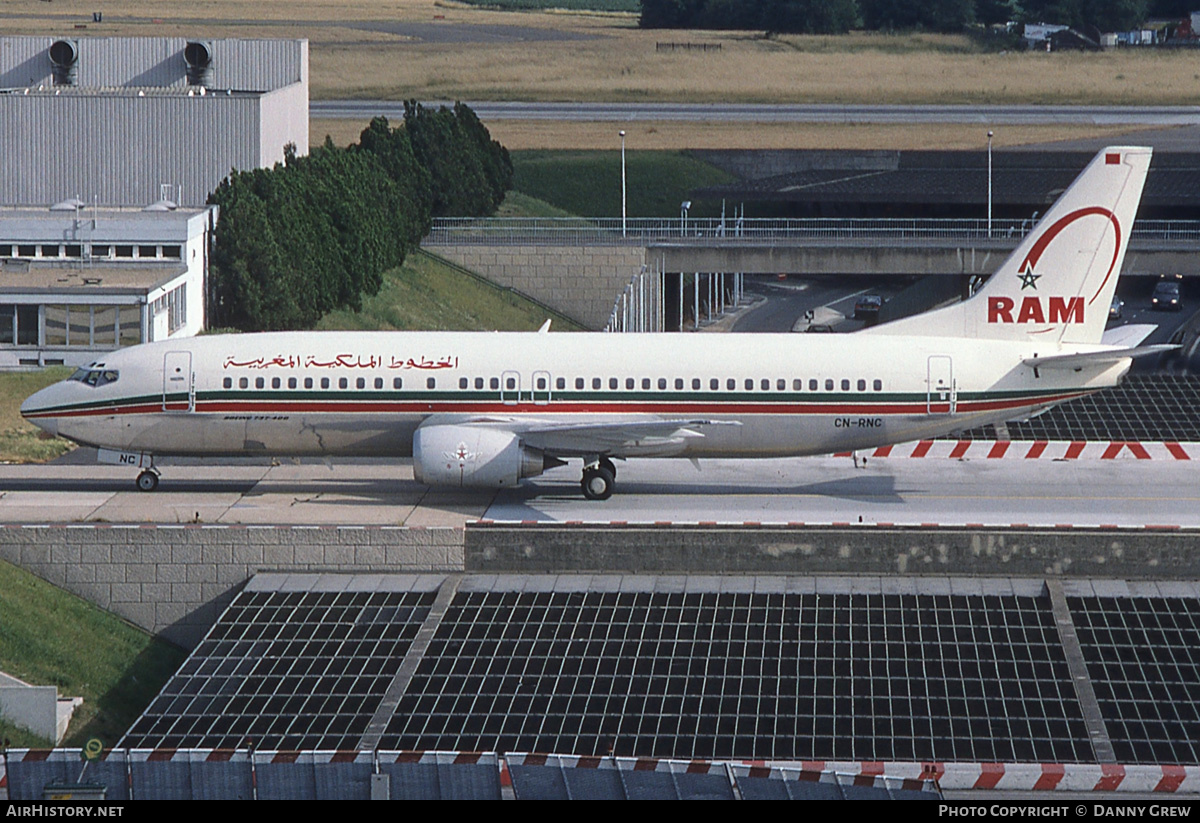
x: 474, y: 457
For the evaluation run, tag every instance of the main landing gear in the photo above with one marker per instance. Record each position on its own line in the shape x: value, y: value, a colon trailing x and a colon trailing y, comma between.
x: 147, y: 481
x: 599, y: 478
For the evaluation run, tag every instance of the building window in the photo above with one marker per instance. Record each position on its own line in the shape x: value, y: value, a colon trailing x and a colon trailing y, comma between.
x: 124, y: 251
x: 148, y: 252
x: 174, y: 252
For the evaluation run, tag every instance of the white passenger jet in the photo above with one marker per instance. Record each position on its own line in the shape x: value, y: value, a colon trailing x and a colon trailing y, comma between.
x: 478, y: 409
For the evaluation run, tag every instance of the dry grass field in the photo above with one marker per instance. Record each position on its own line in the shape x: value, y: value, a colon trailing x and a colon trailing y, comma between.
x: 435, y: 49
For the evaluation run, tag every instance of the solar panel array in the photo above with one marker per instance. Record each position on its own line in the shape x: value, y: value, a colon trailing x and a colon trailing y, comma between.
x: 286, y: 670
x: 690, y: 667
x: 1143, y: 657
x: 1154, y: 407
x: 746, y: 675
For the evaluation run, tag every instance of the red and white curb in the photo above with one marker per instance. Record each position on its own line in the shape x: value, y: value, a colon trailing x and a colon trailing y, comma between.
x: 1035, y: 450
x: 1071, y: 777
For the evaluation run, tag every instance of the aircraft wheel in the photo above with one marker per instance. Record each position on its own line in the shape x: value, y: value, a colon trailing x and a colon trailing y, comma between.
x: 147, y: 481
x: 597, y: 483
x: 605, y: 463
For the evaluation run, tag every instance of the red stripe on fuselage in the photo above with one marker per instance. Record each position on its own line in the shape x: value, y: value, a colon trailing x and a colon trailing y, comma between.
x: 559, y: 407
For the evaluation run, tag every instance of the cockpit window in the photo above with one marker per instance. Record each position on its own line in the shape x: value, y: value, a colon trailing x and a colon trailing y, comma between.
x: 95, y: 377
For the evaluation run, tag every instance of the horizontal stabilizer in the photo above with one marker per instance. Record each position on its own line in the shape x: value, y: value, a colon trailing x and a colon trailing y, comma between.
x: 1128, y: 336
x: 1095, y: 358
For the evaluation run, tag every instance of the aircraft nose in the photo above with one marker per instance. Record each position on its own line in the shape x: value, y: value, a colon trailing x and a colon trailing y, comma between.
x: 33, y: 406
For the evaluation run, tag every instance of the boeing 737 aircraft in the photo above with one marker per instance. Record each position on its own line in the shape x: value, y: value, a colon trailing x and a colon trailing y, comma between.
x: 478, y: 409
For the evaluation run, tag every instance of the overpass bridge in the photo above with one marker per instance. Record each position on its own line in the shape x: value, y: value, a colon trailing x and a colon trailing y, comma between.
x: 581, y: 266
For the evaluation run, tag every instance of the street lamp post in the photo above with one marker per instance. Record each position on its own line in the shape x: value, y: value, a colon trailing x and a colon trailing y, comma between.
x: 622, y: 134
x: 989, y: 225
x: 683, y: 213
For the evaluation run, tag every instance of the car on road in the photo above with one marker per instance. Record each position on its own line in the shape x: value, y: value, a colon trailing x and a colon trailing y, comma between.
x: 867, y: 307
x: 1166, y: 296
x: 1116, y: 308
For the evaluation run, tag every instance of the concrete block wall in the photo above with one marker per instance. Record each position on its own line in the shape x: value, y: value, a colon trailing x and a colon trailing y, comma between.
x: 175, y: 580
x: 582, y: 282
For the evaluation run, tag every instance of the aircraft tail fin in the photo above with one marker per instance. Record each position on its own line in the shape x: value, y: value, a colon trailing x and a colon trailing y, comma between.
x: 1058, y: 284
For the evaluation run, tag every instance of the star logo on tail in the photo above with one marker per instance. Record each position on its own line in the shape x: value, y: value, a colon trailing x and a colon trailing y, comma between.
x: 1028, y: 278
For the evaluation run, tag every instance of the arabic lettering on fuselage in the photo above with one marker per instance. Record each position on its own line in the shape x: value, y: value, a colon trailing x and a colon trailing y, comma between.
x: 341, y: 361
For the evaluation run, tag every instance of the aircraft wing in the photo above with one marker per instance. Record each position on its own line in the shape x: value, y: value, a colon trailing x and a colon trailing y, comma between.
x: 600, y: 437
x: 1094, y: 358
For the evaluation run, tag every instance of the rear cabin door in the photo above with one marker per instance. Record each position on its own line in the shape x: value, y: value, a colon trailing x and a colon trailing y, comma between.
x: 942, y: 397
x: 179, y: 385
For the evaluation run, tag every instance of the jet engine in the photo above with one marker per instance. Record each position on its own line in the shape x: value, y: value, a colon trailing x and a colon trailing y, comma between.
x: 474, y: 457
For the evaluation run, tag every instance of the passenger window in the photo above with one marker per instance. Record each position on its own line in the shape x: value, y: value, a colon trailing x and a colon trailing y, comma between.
x: 845, y: 385
x: 749, y: 384
x: 766, y: 384
x: 260, y: 382
x: 731, y: 384
x: 878, y: 385
x: 308, y: 383
x: 629, y: 383
x: 227, y: 382
x: 797, y: 384
x: 397, y: 382
x: 378, y: 382
x: 695, y: 383
x: 343, y: 382
x: 360, y: 383
x: 324, y: 382
x: 291, y: 382
x: 613, y: 383
x: 812, y: 384
x: 479, y: 382
x: 541, y: 384
x: 431, y: 382
x: 578, y: 383
x: 243, y: 382
x: 462, y: 382
x: 713, y: 384
x: 276, y: 382
x: 595, y: 382
x: 662, y: 383
x: 828, y: 384
x: 781, y: 384
x: 678, y: 383
x: 494, y: 383
x: 862, y: 385
x: 560, y: 383
x: 510, y: 383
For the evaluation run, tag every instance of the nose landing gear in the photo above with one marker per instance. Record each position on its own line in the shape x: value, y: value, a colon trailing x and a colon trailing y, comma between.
x: 147, y: 481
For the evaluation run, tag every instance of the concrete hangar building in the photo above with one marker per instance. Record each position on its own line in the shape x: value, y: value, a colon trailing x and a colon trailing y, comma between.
x: 111, y: 148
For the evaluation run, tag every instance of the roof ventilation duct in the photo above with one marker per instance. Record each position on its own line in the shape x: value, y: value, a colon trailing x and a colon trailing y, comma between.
x: 64, y: 54
x: 198, y: 58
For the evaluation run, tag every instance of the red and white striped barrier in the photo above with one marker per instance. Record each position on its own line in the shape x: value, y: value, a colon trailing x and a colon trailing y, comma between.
x: 1072, y: 777
x: 1036, y: 450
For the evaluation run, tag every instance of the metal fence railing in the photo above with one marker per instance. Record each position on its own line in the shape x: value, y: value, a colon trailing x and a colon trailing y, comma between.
x: 567, y: 231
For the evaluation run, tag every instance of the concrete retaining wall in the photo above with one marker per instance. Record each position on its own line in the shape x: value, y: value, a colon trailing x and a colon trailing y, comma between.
x: 1142, y: 554
x: 580, y: 281
x: 175, y: 580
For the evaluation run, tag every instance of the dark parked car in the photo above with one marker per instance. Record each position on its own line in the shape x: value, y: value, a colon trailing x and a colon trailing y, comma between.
x: 1166, y: 296
x: 1116, y: 308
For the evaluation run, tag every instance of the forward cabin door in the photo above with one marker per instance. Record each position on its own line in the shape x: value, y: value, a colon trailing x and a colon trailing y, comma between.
x: 942, y: 395
x: 179, y: 385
